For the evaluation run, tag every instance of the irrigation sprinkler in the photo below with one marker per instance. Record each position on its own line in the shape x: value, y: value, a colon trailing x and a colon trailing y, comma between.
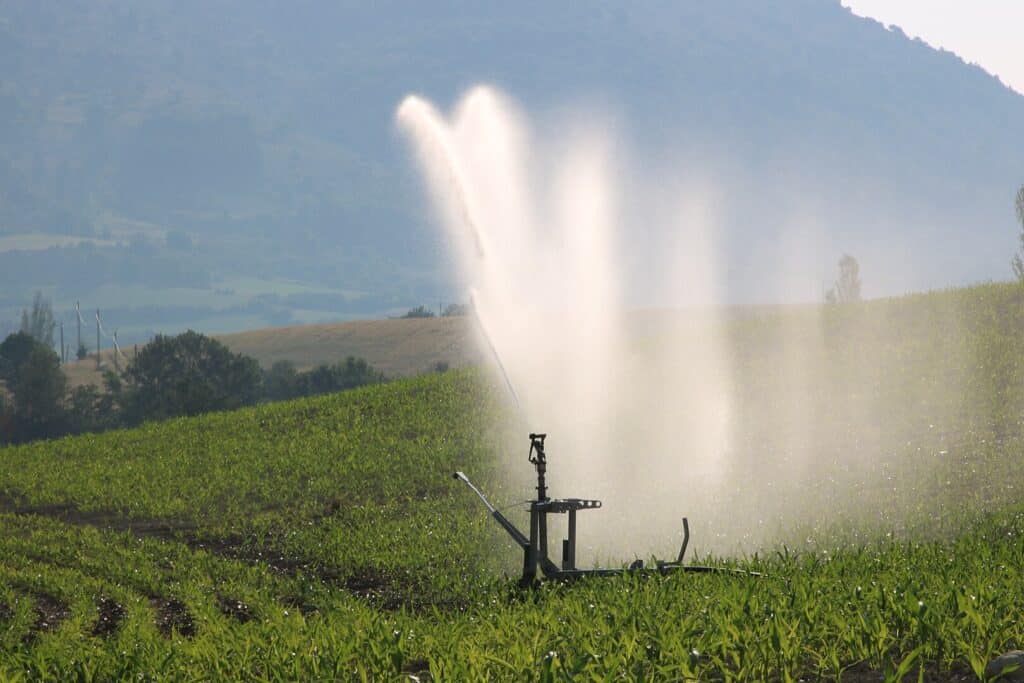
x: 536, y: 559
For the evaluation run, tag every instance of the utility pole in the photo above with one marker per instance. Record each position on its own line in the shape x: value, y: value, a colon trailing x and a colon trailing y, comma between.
x: 63, y: 356
x: 78, y: 312
x: 97, y: 339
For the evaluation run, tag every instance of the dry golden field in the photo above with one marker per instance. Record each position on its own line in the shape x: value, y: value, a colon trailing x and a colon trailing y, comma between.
x: 398, y: 347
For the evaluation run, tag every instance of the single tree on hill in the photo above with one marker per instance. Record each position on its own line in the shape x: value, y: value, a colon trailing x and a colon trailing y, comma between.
x: 33, y: 378
x: 419, y: 312
x: 1018, y: 258
x: 325, y: 379
x: 456, y: 310
x: 187, y: 375
x: 38, y: 392
x: 89, y: 409
x: 14, y: 351
x: 847, y: 287
x: 281, y: 381
x: 39, y: 321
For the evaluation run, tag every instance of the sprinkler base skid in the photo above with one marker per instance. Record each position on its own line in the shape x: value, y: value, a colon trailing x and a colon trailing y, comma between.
x: 536, y: 559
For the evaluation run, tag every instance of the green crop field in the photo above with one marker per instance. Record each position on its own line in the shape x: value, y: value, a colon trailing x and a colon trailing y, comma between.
x: 324, y: 539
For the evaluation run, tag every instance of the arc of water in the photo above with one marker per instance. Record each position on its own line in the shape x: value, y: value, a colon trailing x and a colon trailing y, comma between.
x: 415, y: 113
x: 432, y: 134
x: 419, y: 115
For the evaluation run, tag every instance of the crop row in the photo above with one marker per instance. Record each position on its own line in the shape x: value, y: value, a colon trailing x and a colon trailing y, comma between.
x: 931, y: 606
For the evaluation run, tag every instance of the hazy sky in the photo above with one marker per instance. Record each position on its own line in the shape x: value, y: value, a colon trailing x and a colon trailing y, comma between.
x: 986, y: 32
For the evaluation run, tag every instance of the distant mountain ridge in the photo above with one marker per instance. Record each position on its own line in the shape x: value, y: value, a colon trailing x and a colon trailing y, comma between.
x: 264, y: 129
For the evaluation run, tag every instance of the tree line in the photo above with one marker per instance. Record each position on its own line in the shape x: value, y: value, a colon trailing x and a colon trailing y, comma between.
x: 172, y: 376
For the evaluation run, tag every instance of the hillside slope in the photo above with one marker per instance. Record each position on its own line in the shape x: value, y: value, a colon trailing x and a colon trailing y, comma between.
x: 324, y: 538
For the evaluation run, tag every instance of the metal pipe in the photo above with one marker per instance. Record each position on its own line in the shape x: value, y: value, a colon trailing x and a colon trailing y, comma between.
x: 463, y: 477
x: 508, y: 526
x: 686, y: 541
x: 572, y: 539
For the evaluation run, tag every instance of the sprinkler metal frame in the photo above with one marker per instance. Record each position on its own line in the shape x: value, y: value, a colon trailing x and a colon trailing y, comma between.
x: 536, y: 558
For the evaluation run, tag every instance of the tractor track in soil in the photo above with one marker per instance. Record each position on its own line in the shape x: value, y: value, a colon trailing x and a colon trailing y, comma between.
x: 146, y: 527
x: 378, y: 587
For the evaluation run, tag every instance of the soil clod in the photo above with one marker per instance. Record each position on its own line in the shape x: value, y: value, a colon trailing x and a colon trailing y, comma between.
x: 236, y: 609
x: 173, y: 615
x: 111, y: 614
x: 418, y: 669
x: 374, y: 586
x: 50, y: 612
x: 305, y: 608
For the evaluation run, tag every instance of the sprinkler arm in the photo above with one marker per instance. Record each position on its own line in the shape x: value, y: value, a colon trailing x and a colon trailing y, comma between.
x: 686, y: 541
x: 508, y: 526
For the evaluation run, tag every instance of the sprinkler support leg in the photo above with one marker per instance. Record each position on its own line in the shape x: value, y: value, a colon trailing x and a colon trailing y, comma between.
x: 570, y: 543
x: 686, y: 541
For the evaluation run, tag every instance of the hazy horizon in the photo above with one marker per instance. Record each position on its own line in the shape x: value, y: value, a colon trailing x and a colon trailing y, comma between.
x: 260, y: 181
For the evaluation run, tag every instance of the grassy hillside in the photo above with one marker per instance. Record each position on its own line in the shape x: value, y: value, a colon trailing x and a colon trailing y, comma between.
x: 324, y: 538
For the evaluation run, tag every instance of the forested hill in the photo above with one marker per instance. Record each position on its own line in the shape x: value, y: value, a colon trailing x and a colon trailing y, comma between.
x: 273, y: 122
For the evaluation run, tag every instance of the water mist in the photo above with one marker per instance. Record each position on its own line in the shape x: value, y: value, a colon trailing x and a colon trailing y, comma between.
x: 798, y: 424
x: 539, y: 241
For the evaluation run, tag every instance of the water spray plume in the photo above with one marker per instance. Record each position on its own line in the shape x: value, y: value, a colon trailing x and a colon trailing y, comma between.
x: 753, y: 423
x: 539, y: 241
